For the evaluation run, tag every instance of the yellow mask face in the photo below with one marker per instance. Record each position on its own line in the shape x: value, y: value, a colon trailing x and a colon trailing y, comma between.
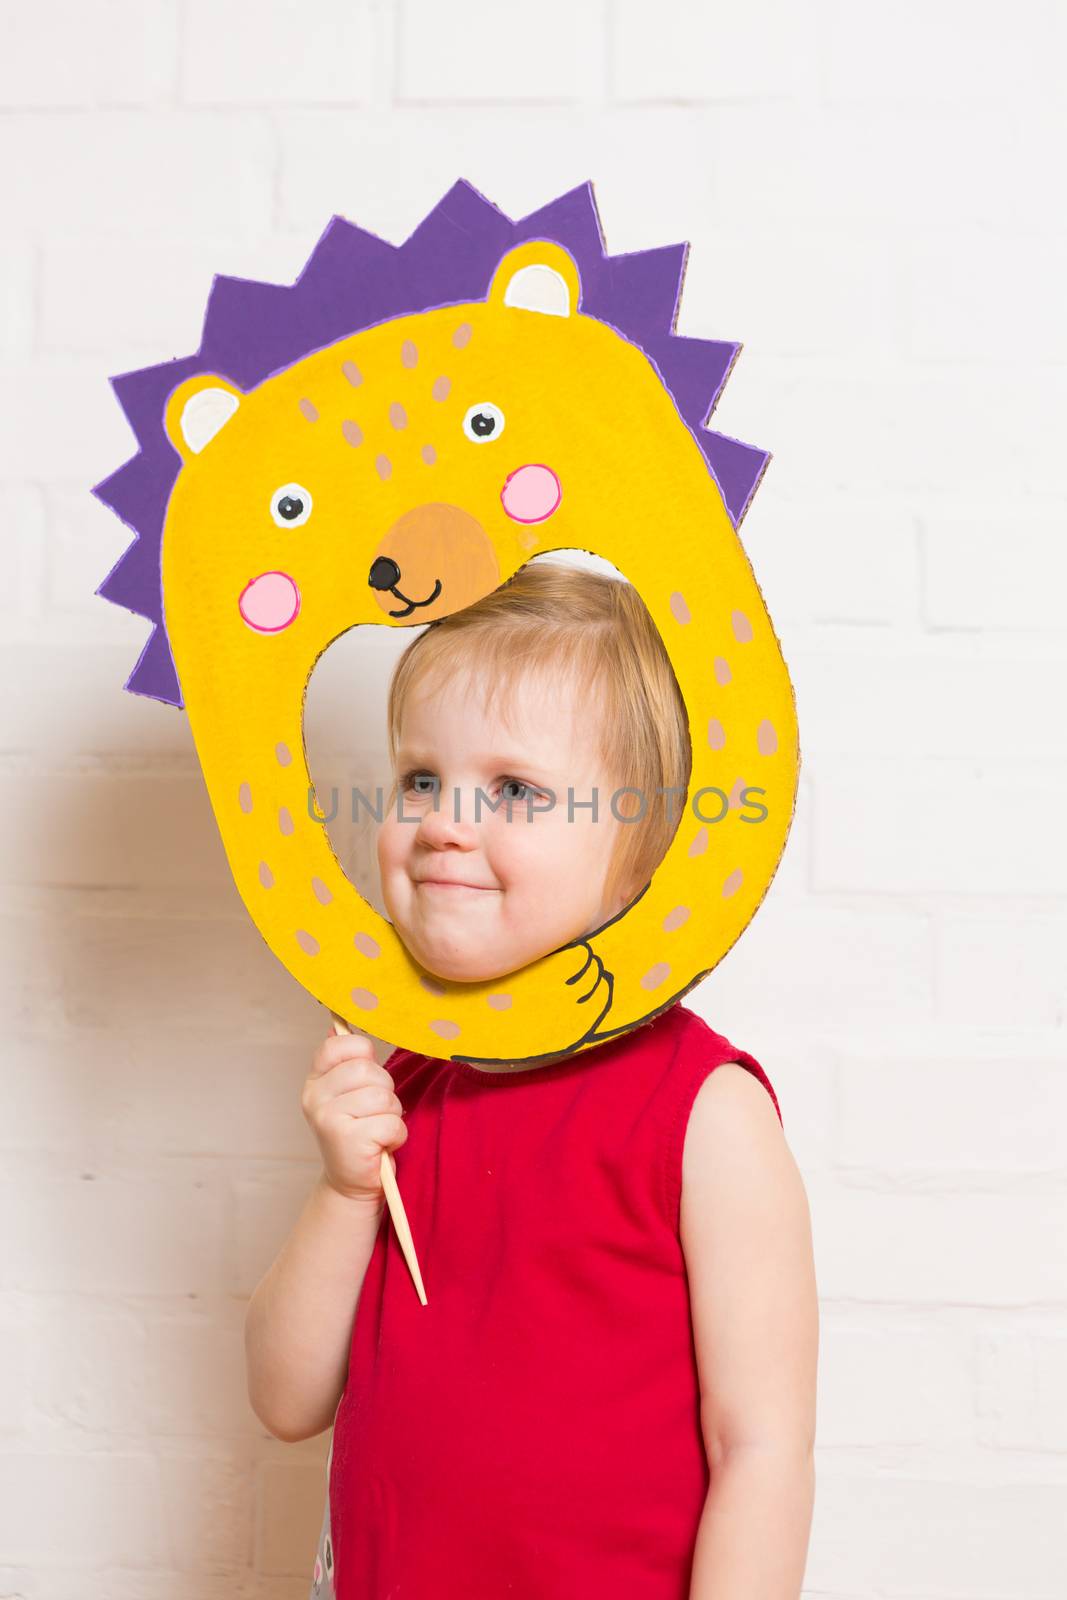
x: 399, y: 473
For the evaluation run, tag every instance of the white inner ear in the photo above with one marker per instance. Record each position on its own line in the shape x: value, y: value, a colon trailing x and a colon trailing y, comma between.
x: 204, y: 413
x: 539, y: 288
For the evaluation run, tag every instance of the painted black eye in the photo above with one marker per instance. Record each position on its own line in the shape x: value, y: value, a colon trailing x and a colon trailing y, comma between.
x: 290, y: 506
x: 483, y: 422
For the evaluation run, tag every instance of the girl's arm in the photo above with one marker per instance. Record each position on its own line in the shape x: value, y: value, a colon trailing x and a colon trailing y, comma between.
x: 746, y: 1236
x: 299, y: 1320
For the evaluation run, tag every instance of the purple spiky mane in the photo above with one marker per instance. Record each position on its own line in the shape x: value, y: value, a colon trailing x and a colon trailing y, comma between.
x: 354, y: 280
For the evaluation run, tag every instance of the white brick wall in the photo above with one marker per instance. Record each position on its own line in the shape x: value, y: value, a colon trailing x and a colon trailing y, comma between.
x: 872, y: 199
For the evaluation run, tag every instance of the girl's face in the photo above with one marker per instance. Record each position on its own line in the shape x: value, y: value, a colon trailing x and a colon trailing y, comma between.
x: 475, y: 895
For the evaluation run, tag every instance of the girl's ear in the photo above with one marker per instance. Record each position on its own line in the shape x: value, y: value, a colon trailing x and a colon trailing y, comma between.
x: 539, y: 276
x: 197, y: 410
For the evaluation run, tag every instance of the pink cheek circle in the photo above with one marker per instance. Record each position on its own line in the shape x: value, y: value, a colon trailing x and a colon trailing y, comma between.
x: 270, y: 602
x: 531, y: 494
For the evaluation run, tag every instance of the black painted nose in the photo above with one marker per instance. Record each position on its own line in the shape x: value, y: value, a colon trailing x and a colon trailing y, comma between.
x: 384, y: 573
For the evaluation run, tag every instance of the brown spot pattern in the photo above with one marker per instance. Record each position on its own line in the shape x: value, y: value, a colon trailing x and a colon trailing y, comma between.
x: 767, y: 738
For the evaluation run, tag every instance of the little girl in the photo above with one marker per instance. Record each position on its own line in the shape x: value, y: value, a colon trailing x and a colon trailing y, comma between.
x: 611, y: 1389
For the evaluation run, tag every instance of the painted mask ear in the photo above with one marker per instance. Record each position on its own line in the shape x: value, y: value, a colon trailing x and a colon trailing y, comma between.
x: 539, y: 276
x: 197, y: 410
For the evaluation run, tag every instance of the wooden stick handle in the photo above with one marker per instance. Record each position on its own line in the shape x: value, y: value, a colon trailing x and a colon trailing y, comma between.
x: 392, y: 1196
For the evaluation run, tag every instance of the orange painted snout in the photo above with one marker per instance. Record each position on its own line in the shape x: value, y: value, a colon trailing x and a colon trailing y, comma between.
x: 434, y: 560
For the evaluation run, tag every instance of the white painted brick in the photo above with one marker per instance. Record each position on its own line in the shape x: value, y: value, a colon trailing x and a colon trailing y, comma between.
x: 22, y: 593
x: 208, y: 1513
x: 195, y: 1372
x: 120, y: 971
x: 937, y: 700
x: 1024, y: 1390
x: 149, y: 293
x: 81, y: 681
x: 983, y: 571
x: 89, y: 1367
x: 19, y: 275
x: 161, y: 172
x: 919, y: 431
x: 386, y: 172
x: 938, y: 826
x: 917, y: 1535
x: 1002, y: 969
x: 787, y: 291
x: 938, y: 51
x: 90, y: 828
x: 158, y: 1087
x: 152, y: 1230
x: 59, y: 53
x: 77, y: 1511
x: 1001, y: 1248
x: 869, y: 165
x: 858, y: 964
x: 854, y: 560
x: 904, y: 1381
x: 290, y: 1498
x: 16, y: 1346
x: 924, y: 1116
x: 1003, y: 300
x: 161, y: 1583
x: 692, y: 51
x: 469, y: 52
x: 270, y: 52
x: 266, y: 1207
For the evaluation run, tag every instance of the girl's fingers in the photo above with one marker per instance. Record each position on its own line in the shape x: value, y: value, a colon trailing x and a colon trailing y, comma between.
x: 367, y: 1103
x: 341, y: 1047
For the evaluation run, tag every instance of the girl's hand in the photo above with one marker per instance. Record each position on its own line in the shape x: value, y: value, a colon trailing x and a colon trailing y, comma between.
x: 353, y: 1111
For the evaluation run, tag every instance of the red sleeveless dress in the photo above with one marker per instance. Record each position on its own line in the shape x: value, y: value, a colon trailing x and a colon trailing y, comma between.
x: 533, y: 1433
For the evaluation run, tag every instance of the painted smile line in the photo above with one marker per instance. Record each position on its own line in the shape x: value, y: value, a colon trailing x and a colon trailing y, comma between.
x: 411, y: 605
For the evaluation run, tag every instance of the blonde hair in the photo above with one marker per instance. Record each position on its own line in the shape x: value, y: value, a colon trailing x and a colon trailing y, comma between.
x: 564, y: 619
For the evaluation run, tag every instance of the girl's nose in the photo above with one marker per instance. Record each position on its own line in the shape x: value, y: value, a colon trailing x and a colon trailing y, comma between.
x: 450, y: 815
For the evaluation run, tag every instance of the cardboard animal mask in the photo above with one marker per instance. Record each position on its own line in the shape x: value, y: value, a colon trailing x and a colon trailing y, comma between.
x: 381, y: 444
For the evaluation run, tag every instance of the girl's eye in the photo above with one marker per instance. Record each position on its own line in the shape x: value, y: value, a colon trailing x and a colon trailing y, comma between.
x: 518, y: 784
x: 290, y: 506
x: 483, y: 423
x: 410, y: 779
